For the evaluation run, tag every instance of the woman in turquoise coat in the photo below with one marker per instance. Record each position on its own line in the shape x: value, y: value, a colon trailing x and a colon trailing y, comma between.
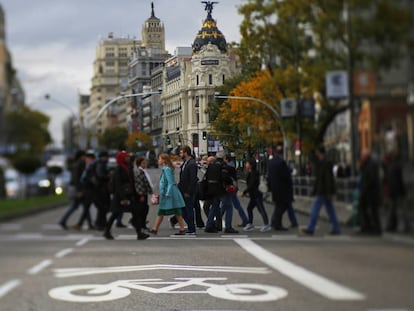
x: 171, y: 200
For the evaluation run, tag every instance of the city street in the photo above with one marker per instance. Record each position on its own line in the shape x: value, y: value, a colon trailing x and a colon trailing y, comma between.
x: 43, y: 267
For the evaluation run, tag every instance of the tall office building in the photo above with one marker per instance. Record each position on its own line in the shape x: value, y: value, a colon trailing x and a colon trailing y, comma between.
x: 110, y: 79
x: 125, y: 65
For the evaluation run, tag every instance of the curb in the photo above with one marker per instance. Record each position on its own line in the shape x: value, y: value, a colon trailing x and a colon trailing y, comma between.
x: 35, y: 210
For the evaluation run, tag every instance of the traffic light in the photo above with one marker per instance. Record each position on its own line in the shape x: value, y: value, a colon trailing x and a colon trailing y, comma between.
x: 204, y: 135
x: 168, y: 140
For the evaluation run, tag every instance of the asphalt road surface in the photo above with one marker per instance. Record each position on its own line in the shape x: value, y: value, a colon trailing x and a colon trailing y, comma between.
x: 43, y: 267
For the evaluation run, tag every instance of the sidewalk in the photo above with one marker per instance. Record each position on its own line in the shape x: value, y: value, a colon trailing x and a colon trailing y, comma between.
x: 345, y: 211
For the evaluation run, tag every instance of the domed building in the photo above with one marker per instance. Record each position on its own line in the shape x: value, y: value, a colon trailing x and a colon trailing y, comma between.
x: 209, y: 33
x: 190, y: 78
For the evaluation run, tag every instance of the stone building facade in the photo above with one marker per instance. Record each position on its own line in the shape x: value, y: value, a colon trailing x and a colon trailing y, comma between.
x: 190, y: 78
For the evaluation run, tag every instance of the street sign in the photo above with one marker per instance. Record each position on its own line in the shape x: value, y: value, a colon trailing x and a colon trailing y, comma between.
x: 307, y: 108
x: 337, y: 84
x: 288, y: 107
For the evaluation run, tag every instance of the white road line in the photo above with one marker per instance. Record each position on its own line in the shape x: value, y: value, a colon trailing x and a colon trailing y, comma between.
x: 51, y: 227
x: 63, y: 252
x: 30, y: 236
x: 10, y: 227
x: 9, y: 286
x: 309, y: 279
x: 82, y: 242
x: 71, y: 272
x: 39, y: 267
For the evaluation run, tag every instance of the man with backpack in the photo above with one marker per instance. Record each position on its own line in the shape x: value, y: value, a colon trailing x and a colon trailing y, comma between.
x: 218, y: 178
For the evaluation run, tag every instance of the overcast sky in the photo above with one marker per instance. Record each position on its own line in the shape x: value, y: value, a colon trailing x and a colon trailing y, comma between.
x: 53, y: 42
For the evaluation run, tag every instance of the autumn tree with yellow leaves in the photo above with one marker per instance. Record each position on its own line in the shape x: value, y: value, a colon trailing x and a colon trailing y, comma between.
x: 297, y: 42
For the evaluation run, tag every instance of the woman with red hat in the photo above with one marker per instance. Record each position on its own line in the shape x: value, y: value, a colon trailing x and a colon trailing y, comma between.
x: 124, y: 197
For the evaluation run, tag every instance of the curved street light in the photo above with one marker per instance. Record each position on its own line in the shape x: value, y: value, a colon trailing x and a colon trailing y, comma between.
x: 94, y: 142
x: 275, y: 113
x: 76, y: 116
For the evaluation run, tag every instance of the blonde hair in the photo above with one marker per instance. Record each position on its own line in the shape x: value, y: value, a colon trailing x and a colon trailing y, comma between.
x: 167, y: 160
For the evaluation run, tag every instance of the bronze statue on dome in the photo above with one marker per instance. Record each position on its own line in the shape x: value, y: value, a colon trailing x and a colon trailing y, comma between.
x: 209, y: 7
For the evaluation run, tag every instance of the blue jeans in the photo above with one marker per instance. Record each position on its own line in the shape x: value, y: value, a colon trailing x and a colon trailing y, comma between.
x: 316, y: 207
x: 69, y: 211
x: 227, y: 208
x: 292, y: 216
x: 214, y: 210
x: 236, y: 203
x: 258, y: 201
x: 188, y: 213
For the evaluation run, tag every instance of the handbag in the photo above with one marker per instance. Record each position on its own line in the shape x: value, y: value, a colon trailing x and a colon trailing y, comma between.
x: 231, y: 189
x: 263, y: 185
x: 155, y: 199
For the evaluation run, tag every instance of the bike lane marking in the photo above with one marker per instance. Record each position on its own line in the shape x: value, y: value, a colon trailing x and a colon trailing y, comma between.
x: 82, y: 242
x: 9, y: 286
x: 307, y: 278
x: 40, y: 266
x: 63, y: 252
x: 72, y: 272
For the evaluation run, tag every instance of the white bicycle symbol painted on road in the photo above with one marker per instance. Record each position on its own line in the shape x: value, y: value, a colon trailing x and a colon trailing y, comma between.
x: 122, y: 288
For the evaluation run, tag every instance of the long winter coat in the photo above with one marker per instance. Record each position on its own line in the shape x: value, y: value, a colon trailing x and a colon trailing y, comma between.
x: 170, y: 195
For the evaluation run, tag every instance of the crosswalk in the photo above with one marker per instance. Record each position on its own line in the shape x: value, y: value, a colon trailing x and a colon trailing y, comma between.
x: 53, y: 232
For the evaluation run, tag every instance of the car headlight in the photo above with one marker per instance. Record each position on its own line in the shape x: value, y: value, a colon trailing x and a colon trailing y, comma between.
x: 58, y: 190
x: 44, y: 183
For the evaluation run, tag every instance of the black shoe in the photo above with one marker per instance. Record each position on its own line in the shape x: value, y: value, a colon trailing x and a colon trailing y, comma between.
x: 305, y: 231
x: 152, y: 231
x: 230, y: 230
x: 120, y: 225
x: 242, y: 225
x: 335, y: 232
x: 281, y: 228
x: 181, y: 232
x: 76, y: 227
x: 63, y: 225
x: 107, y: 235
x: 142, y: 236
x: 210, y: 230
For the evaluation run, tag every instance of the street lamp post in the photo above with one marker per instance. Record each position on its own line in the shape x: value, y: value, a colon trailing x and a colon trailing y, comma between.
x: 197, y: 110
x: 94, y: 141
x: 275, y: 113
x: 76, y: 116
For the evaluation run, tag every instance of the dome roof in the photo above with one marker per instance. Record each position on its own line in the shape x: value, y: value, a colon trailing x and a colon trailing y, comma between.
x: 209, y: 33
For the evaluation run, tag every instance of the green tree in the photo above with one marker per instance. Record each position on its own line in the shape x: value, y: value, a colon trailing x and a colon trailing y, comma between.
x: 114, y: 138
x: 27, y: 130
x: 310, y: 37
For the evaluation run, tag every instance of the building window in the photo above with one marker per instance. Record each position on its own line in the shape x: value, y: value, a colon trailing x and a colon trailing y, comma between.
x: 224, y: 79
x: 197, y: 80
x: 210, y: 79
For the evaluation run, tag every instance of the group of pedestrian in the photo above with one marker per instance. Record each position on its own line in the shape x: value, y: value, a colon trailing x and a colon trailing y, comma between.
x: 127, y: 188
x: 124, y: 189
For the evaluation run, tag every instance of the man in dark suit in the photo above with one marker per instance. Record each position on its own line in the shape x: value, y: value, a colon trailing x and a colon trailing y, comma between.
x: 188, y: 187
x: 279, y: 181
